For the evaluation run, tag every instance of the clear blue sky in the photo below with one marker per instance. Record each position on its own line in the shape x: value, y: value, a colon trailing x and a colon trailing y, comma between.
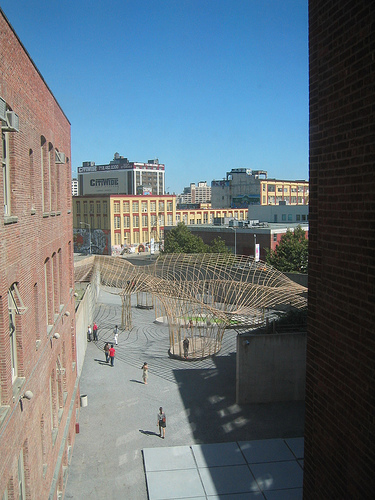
x: 203, y: 85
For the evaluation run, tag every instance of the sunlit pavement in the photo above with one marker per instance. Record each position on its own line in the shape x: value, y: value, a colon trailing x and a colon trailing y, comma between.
x: 118, y: 445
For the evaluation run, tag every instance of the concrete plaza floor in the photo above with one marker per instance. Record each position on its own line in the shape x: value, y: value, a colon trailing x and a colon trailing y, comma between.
x: 118, y: 453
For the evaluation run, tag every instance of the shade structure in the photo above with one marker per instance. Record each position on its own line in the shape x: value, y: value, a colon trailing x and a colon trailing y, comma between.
x: 199, y: 296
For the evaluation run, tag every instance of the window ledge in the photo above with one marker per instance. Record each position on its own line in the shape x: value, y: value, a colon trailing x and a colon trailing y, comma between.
x: 3, y: 413
x: 17, y: 386
x: 58, y: 212
x: 45, y: 214
x: 33, y: 211
x: 10, y: 219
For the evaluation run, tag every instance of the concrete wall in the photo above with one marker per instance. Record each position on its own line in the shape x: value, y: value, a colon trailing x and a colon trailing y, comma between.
x: 84, y: 317
x: 271, y: 367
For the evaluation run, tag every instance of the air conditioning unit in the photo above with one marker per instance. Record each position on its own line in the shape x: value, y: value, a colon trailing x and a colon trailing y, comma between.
x: 3, y: 110
x: 59, y: 157
x: 12, y: 122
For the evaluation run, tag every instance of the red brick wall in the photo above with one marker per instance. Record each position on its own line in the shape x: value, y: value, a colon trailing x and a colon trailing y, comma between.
x: 27, y: 239
x: 339, y: 430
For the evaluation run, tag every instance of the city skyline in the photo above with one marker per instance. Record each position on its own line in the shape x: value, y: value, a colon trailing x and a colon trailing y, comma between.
x: 202, y: 86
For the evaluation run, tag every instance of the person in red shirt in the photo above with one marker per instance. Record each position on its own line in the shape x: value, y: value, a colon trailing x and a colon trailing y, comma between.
x: 112, y: 353
x: 95, y: 331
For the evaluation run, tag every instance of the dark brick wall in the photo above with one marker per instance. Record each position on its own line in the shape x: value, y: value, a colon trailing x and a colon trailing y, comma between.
x: 29, y: 237
x: 339, y: 428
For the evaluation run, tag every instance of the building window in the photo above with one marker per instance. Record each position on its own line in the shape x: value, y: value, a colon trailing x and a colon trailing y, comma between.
x: 135, y: 206
x: 12, y: 308
x: 153, y: 206
x: 6, y: 173
x: 283, y: 217
x: 144, y: 221
x: 85, y: 208
x: 126, y: 221
x: 125, y: 206
x: 161, y: 206
x: 98, y: 208
x: 290, y: 217
x: 275, y: 237
x: 135, y: 221
x: 21, y: 478
x: 271, y: 188
x: 170, y: 220
x: 91, y: 207
x: 144, y: 206
x: 169, y: 206
x: 303, y: 217
x: 298, y: 217
x: 136, y: 237
x: 78, y: 207
x: 105, y: 208
x: 116, y: 207
x: 117, y: 222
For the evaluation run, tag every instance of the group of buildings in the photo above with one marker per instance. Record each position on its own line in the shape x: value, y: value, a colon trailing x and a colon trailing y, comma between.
x: 123, y: 206
x: 39, y: 384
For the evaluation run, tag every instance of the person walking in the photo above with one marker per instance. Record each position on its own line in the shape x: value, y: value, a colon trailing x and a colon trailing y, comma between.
x: 95, y: 331
x: 106, y: 352
x: 112, y: 353
x: 185, y: 344
x: 115, y: 334
x: 161, y: 423
x: 145, y: 373
x: 89, y: 333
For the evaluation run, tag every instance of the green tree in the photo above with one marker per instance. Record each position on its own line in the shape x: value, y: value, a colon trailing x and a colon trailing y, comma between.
x: 218, y: 246
x: 291, y: 254
x: 181, y: 240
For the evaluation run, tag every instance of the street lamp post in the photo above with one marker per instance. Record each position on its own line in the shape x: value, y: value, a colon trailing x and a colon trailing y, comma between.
x: 235, y: 239
x: 89, y: 226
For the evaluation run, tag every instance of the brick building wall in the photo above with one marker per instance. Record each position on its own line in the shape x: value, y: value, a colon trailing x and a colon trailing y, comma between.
x: 339, y: 427
x: 36, y: 283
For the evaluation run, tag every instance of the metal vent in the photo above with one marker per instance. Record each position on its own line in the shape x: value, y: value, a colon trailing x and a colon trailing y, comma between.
x: 12, y: 122
x: 3, y: 109
x: 59, y: 157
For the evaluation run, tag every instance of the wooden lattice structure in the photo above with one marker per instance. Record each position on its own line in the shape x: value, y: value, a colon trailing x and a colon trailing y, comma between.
x: 198, y: 295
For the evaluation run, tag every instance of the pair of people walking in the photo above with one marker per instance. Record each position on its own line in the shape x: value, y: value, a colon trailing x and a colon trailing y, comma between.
x: 110, y: 353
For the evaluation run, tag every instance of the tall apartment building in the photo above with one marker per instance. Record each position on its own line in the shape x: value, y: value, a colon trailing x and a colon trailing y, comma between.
x: 121, y: 176
x: 38, y: 378
x: 243, y: 187
x: 340, y: 383
x: 194, y: 194
x: 75, y: 190
x: 106, y: 223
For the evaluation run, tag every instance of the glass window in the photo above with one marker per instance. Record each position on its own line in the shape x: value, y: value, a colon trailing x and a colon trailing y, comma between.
x: 126, y: 206
x: 153, y: 206
x: 290, y: 217
x: 105, y: 208
x: 117, y: 222
x: 116, y: 207
x: 135, y: 206
x: 169, y: 206
x: 126, y: 221
x: 98, y: 207
x: 283, y: 217
x: 161, y: 206
x: 135, y: 221
x: 144, y: 220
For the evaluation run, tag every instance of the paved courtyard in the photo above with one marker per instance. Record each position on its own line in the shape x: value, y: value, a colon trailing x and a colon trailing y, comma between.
x: 118, y: 433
